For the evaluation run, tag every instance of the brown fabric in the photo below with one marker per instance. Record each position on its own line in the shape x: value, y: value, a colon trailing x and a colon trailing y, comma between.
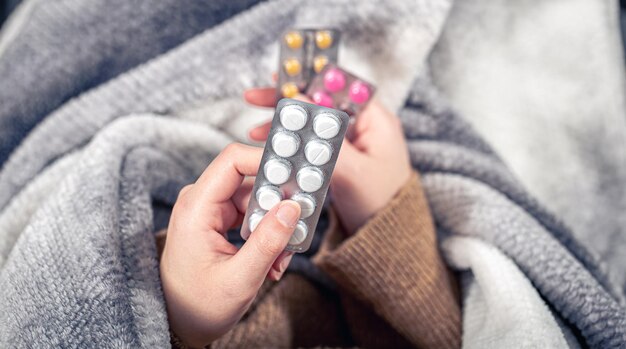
x: 395, y: 290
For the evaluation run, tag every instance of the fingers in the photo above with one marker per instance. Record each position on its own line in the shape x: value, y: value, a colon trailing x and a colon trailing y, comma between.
x: 267, y: 242
x: 224, y: 175
x: 280, y: 266
x: 350, y: 161
x: 241, y: 198
x: 259, y: 133
x: 261, y: 97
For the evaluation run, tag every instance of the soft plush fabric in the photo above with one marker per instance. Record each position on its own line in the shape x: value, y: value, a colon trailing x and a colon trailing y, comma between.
x: 543, y: 81
x: 65, y: 47
x: 470, y: 190
x: 500, y: 301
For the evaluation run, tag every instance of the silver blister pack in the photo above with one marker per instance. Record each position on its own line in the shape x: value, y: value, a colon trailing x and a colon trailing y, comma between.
x: 337, y: 88
x: 297, y: 164
x: 304, y: 53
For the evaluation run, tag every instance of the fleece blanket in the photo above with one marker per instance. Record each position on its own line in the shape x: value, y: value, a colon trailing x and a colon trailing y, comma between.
x: 522, y: 78
x: 66, y: 47
x: 98, y: 280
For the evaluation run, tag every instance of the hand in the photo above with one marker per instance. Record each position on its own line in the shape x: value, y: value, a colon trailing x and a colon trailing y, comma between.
x: 371, y: 168
x: 208, y: 283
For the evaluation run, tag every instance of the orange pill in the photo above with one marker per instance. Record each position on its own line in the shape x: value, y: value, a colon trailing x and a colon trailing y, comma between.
x: 323, y: 39
x: 293, y: 40
x: 319, y: 63
x: 292, y: 66
x: 289, y: 90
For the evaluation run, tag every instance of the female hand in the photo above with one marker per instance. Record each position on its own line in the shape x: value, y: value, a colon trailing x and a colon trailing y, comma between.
x: 371, y: 168
x: 208, y: 283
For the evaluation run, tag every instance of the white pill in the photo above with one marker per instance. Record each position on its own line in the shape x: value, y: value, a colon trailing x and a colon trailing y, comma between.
x: 326, y: 125
x: 254, y: 220
x: 285, y: 144
x: 277, y: 171
x: 268, y: 197
x: 307, y: 204
x: 293, y: 117
x: 310, y: 179
x: 318, y: 152
x: 299, y: 234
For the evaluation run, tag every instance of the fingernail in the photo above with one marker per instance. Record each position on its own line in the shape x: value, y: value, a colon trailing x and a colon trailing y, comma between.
x: 285, y: 263
x: 288, y: 213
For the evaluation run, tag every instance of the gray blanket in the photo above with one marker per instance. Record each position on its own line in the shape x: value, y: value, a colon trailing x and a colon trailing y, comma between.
x: 79, y: 265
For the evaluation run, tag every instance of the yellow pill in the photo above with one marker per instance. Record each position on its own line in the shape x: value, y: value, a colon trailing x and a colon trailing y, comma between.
x: 289, y: 90
x: 319, y: 63
x: 323, y: 39
x: 292, y: 66
x: 293, y: 40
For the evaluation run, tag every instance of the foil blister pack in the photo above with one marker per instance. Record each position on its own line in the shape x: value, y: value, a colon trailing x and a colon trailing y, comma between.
x: 297, y: 164
x: 303, y: 54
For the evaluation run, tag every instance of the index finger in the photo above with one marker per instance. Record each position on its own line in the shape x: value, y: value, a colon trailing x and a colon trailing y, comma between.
x: 224, y: 175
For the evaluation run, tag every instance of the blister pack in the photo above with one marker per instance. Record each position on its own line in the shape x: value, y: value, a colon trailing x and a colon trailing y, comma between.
x: 297, y: 164
x: 337, y: 88
x: 304, y: 53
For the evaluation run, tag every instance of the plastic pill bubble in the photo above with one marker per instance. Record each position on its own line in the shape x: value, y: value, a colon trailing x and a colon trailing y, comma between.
x: 310, y: 179
x: 319, y: 63
x: 322, y: 98
x: 318, y: 152
x: 292, y: 66
x: 277, y: 171
x: 254, y: 221
x: 285, y: 144
x: 268, y: 197
x: 323, y: 39
x: 359, y: 92
x: 289, y: 90
x: 293, y: 117
x: 299, y: 234
x: 334, y: 80
x: 326, y: 125
x: 293, y: 40
x: 307, y: 204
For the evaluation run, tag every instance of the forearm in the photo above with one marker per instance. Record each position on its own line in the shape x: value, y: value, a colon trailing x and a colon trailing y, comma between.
x: 392, y: 264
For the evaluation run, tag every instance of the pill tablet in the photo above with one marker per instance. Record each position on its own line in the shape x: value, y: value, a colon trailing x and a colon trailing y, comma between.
x: 319, y: 63
x: 310, y: 179
x: 277, y: 171
x: 292, y: 66
x: 268, y: 197
x: 323, y: 39
x: 326, y: 125
x: 359, y: 92
x: 299, y: 234
x: 289, y: 89
x: 334, y: 80
x: 307, y: 204
x: 254, y: 221
x: 293, y: 117
x: 294, y: 40
x: 285, y: 144
x: 318, y: 152
x: 322, y: 98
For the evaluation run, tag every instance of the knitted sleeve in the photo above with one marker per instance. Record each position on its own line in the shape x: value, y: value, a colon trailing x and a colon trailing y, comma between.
x: 393, y: 267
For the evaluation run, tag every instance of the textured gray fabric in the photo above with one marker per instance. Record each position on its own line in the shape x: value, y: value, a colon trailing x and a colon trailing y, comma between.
x: 84, y: 270
x: 68, y: 46
x: 523, y: 78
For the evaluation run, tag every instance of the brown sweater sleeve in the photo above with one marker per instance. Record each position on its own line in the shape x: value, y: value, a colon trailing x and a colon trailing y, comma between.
x: 392, y: 265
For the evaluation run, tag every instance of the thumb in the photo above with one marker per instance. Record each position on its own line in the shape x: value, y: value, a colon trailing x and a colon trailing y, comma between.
x: 267, y: 241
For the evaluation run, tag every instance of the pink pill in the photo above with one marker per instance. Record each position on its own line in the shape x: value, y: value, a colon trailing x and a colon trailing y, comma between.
x: 359, y: 92
x: 334, y: 80
x: 323, y: 99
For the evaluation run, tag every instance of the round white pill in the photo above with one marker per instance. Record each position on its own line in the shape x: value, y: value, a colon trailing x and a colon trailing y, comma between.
x: 299, y: 234
x: 307, y: 204
x: 326, y: 125
x: 293, y: 117
x: 318, y: 152
x: 285, y: 144
x: 277, y: 171
x: 268, y: 197
x: 254, y: 220
x: 310, y: 179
